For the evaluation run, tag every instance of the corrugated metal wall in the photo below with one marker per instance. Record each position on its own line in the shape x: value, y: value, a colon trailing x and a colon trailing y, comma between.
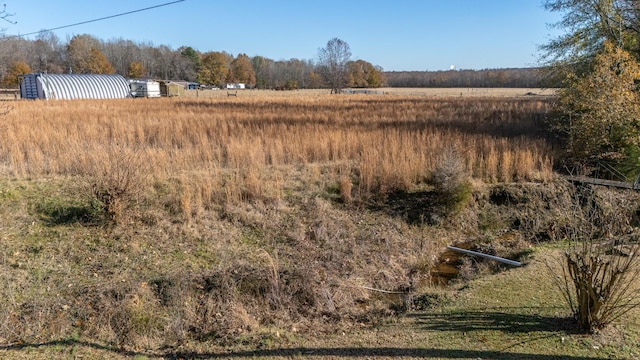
x: 81, y: 86
x: 29, y: 87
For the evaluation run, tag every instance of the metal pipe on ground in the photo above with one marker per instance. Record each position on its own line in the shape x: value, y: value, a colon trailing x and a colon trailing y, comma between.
x: 496, y: 258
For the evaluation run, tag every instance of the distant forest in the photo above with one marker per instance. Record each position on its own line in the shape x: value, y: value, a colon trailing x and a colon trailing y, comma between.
x: 489, y: 78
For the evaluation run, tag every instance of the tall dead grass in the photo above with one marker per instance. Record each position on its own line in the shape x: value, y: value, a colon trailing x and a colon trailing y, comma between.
x: 238, y: 227
x: 390, y: 142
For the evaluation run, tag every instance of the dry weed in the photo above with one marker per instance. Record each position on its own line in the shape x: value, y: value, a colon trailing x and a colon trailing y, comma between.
x: 346, y: 188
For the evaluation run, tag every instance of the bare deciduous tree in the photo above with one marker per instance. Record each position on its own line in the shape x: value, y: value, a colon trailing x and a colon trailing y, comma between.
x: 333, y: 60
x: 121, y: 53
x: 6, y: 16
x: 47, y: 53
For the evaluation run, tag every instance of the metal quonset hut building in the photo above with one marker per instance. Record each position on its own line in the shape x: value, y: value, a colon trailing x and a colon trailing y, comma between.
x: 73, y: 86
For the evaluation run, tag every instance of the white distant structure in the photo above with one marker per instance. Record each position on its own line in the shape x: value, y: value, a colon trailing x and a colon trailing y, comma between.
x: 144, y: 88
x: 236, y: 86
x: 452, y: 67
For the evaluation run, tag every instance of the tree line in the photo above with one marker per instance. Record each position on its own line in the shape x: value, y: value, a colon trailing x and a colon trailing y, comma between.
x: 88, y: 54
x: 494, y: 78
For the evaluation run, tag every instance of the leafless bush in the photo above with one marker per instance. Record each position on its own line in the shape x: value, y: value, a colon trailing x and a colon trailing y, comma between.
x: 451, y: 180
x: 117, y: 177
x: 599, y: 272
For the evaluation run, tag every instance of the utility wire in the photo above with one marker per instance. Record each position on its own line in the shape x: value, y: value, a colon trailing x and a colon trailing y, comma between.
x: 94, y: 20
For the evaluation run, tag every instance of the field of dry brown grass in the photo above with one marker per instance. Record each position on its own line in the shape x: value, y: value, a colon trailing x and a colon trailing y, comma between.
x: 380, y: 143
x: 425, y: 92
x: 153, y: 227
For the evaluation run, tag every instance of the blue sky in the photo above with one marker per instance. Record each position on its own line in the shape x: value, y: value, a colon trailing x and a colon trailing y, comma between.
x: 395, y: 34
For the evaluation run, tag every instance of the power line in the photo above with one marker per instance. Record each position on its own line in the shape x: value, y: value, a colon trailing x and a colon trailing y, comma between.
x: 94, y: 20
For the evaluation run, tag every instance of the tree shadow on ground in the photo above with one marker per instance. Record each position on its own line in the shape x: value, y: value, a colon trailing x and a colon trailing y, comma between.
x: 308, y: 352
x: 499, y: 319
x: 68, y: 215
x: 56, y: 211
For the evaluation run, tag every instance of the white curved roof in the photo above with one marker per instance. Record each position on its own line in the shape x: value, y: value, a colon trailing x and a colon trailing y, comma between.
x: 83, y: 86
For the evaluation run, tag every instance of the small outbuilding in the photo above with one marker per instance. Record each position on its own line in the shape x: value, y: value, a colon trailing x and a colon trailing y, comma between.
x: 145, y: 88
x: 187, y: 85
x: 73, y: 86
x: 171, y: 88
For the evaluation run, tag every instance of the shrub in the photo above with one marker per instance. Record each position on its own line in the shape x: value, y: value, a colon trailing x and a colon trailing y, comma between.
x: 451, y: 181
x: 600, y: 268
x: 117, y: 180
